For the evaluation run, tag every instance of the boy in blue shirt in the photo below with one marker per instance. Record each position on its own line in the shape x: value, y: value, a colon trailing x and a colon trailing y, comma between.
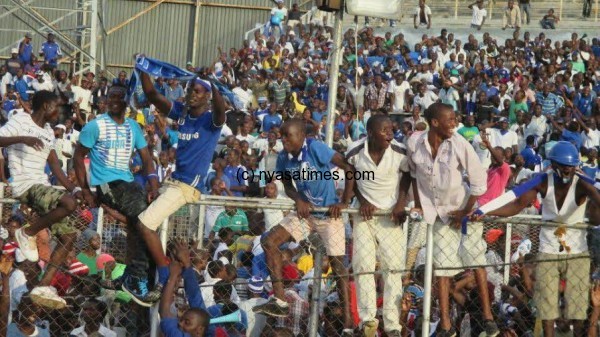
x: 195, y: 321
x: 308, y: 163
x: 51, y: 51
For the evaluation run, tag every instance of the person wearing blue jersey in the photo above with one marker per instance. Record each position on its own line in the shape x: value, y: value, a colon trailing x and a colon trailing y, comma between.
x: 51, y: 51
x: 26, y: 50
x: 109, y: 141
x: 200, y: 126
x: 307, y: 162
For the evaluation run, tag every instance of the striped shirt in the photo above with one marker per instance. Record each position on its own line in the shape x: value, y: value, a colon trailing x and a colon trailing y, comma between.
x: 550, y: 104
x: 25, y: 163
x: 111, y: 146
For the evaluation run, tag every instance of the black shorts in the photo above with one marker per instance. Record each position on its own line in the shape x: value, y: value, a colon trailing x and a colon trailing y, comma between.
x: 128, y: 198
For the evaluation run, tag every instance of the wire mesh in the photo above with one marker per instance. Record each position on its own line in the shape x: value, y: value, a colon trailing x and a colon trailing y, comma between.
x: 384, y: 263
x: 75, y: 283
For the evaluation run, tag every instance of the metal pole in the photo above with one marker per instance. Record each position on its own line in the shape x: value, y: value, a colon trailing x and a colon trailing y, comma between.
x: 455, y: 9
x: 428, y: 281
x: 103, y: 43
x: 508, y: 237
x: 2, y: 186
x: 93, y: 35
x: 100, y: 225
x: 596, y: 11
x: 313, y: 323
x: 154, y: 321
x: 201, y: 216
x: 333, y: 77
x: 195, y: 33
x: 82, y: 42
x: 560, y: 10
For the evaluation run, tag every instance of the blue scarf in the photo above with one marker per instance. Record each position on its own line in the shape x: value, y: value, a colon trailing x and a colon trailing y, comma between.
x: 154, y: 68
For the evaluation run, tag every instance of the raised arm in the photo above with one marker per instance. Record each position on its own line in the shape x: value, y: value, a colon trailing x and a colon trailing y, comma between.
x: 160, y: 102
x: 219, y: 107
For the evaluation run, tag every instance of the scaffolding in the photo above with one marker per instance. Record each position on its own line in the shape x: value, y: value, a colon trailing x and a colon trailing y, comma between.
x: 77, y: 25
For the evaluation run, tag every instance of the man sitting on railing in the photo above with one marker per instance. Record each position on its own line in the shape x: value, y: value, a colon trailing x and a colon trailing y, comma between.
x: 310, y: 158
x: 30, y: 142
x: 564, y: 199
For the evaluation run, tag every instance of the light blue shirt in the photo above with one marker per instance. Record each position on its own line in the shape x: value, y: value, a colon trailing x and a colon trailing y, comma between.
x: 111, y: 146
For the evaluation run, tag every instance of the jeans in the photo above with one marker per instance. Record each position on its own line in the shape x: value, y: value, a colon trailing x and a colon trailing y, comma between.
x: 129, y: 199
x: 525, y: 8
x: 268, y: 27
x: 547, y: 24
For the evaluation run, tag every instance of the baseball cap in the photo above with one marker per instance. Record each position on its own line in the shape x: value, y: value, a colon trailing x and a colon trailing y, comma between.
x: 493, y: 235
x: 28, y: 35
x: 14, y: 51
x: 503, y: 120
x: 289, y: 273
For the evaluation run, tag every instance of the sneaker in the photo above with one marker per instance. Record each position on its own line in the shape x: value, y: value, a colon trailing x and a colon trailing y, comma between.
x: 347, y: 333
x: 137, y: 287
x: 47, y: 297
x: 491, y: 329
x: 394, y: 333
x: 370, y: 327
x: 274, y: 307
x: 153, y: 295
x: 446, y: 333
x: 596, y: 274
x: 27, y: 245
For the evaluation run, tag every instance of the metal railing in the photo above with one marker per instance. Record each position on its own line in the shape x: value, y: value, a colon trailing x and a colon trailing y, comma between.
x: 284, y: 204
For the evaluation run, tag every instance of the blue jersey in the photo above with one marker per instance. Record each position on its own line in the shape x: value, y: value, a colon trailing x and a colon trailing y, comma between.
x: 235, y: 175
x: 270, y: 121
x: 311, y: 171
x: 25, y: 56
x: 51, y: 52
x: 111, y: 146
x: 198, y: 139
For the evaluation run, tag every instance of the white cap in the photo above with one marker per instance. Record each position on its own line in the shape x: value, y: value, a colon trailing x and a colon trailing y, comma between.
x: 60, y: 126
x: 14, y: 51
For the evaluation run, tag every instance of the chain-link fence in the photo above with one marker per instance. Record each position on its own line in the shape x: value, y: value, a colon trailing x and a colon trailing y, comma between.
x: 380, y: 282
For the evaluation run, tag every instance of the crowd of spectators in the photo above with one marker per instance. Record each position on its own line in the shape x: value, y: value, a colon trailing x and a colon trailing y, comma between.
x: 513, y: 99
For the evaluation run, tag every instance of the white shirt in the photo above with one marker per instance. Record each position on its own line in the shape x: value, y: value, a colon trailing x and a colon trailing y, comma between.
x: 46, y: 85
x: 478, y: 16
x: 509, y: 139
x: 428, y: 98
x: 245, y: 96
x: 256, y: 323
x: 537, y: 126
x: 382, y: 192
x: 103, y: 331
x: 273, y: 216
x: 25, y: 163
x: 73, y: 136
x: 85, y: 95
x: 281, y: 13
x: 591, y: 139
x: 427, y: 14
x: 17, y: 283
x: 249, y: 138
x: 570, y: 213
x: 399, y: 92
x: 270, y: 159
x: 212, y: 212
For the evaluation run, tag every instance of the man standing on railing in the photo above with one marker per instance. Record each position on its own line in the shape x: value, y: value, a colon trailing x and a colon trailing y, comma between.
x: 199, y: 131
x: 379, y: 235
x: 307, y: 162
x: 437, y: 160
x: 30, y: 143
x: 110, y: 140
x: 565, y: 194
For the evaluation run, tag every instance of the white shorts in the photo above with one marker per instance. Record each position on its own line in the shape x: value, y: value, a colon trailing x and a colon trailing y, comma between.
x: 329, y: 229
x: 173, y: 195
x: 448, y: 252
